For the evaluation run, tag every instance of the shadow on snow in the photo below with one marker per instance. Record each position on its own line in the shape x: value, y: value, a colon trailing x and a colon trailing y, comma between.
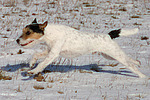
x: 67, y: 68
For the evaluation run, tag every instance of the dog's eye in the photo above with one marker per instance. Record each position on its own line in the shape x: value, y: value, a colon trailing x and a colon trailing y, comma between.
x: 28, y: 33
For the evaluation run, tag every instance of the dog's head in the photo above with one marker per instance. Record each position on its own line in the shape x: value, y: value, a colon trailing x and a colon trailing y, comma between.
x: 31, y: 33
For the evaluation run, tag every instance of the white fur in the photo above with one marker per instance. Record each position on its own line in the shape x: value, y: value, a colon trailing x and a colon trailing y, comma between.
x: 67, y: 42
x: 126, y: 32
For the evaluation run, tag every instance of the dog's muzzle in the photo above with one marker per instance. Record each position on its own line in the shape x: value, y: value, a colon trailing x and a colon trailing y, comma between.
x: 24, y: 44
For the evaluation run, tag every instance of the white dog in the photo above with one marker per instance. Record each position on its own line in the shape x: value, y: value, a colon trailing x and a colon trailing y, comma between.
x: 67, y: 42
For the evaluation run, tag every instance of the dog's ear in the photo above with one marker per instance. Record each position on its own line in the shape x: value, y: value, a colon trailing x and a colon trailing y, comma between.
x: 34, y: 21
x: 42, y: 26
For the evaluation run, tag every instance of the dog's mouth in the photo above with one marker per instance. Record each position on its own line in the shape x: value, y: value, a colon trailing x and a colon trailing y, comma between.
x: 27, y: 43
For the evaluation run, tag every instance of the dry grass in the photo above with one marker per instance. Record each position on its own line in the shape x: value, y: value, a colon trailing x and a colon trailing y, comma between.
x: 144, y: 38
x: 10, y: 3
x: 18, y: 89
x: 135, y: 16
x: 60, y: 92
x: 3, y: 77
x: 83, y: 71
x: 38, y: 87
x: 20, y: 52
x: 112, y: 64
x: 137, y: 24
x: 40, y: 78
x: 123, y: 9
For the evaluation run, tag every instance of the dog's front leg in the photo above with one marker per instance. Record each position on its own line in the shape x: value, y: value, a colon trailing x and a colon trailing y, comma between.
x: 53, y: 54
x: 41, y: 66
x: 37, y: 56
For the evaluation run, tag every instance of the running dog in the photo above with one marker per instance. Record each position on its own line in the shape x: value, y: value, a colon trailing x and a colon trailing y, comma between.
x: 68, y: 42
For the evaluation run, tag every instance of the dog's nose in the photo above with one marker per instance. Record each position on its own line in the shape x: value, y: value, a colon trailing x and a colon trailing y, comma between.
x: 18, y: 41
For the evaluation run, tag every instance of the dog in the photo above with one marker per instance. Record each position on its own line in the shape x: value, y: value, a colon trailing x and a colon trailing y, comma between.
x: 68, y: 42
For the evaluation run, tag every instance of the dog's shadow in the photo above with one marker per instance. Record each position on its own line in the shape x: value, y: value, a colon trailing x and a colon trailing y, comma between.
x: 67, y: 68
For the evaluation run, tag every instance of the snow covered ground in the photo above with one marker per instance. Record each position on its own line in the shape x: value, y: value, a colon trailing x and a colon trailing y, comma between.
x: 90, y: 77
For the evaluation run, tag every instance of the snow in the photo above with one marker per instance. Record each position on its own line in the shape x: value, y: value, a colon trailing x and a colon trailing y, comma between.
x: 89, y: 77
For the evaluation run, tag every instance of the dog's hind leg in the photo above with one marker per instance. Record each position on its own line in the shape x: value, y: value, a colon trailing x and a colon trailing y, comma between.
x: 115, y: 52
x: 131, y: 60
x: 107, y: 56
x: 134, y: 61
x: 133, y: 68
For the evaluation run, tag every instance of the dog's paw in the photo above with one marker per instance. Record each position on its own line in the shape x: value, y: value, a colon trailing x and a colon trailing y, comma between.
x: 30, y: 73
x: 33, y: 72
x: 142, y: 76
x: 32, y: 65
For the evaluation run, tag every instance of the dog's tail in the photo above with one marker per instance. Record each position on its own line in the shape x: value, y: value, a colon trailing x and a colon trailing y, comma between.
x: 122, y: 32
